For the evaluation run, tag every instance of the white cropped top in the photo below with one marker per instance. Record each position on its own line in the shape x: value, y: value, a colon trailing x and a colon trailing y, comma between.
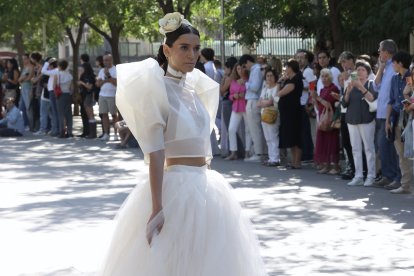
x: 162, y: 112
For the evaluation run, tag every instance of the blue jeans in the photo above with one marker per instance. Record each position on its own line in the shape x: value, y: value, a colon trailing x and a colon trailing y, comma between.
x: 24, y: 105
x: 64, y: 104
x: 45, y: 114
x: 390, y: 167
x: 55, y: 115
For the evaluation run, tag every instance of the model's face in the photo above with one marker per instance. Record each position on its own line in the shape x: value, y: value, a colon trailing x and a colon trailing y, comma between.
x: 183, y: 54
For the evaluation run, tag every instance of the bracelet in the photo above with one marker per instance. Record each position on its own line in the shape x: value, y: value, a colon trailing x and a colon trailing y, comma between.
x: 366, y: 91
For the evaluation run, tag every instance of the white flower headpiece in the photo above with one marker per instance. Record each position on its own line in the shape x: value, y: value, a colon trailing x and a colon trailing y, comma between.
x: 171, y: 22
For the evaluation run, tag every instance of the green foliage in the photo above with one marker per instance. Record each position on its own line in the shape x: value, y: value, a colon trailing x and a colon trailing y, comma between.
x: 359, y: 20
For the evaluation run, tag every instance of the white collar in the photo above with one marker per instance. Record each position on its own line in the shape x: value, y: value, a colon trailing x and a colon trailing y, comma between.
x: 174, y: 72
x: 177, y: 75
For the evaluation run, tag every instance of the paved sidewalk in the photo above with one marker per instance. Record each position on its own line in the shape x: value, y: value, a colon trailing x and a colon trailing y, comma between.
x: 58, y: 196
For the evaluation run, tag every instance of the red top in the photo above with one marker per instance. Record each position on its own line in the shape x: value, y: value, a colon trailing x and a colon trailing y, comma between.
x: 326, y: 95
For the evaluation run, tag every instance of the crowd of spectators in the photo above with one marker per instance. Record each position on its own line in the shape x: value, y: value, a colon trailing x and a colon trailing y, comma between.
x: 315, y: 109
x: 38, y: 99
x: 312, y: 109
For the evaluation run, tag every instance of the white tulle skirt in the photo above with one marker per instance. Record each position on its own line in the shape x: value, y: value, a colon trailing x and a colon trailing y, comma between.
x: 205, y: 232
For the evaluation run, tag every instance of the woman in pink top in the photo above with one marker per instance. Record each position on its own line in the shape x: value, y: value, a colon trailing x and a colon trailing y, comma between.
x: 237, y: 95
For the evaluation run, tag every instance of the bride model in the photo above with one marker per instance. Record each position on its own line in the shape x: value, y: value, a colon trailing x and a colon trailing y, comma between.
x: 184, y: 219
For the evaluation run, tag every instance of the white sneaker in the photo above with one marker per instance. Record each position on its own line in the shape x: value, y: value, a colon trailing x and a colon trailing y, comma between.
x: 105, y: 137
x: 116, y: 137
x: 369, y: 182
x: 357, y: 181
x: 253, y: 158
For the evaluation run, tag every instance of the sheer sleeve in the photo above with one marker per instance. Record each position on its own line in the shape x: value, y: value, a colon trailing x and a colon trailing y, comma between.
x: 208, y: 91
x: 142, y: 101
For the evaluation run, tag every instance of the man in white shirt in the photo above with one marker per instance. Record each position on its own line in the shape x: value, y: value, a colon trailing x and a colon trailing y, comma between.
x: 304, y: 58
x: 107, y: 82
x: 50, y: 69
x: 253, y: 89
x: 207, y: 57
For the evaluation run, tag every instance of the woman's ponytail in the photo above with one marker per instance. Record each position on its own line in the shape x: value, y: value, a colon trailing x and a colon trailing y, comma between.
x: 162, y: 59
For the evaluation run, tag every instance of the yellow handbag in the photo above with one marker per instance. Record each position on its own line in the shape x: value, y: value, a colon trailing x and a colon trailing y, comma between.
x: 269, y: 115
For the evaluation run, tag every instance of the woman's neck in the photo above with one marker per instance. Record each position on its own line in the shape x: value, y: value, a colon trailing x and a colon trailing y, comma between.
x: 271, y: 85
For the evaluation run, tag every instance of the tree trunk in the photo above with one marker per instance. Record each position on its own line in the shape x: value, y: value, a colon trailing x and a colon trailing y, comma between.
x: 18, y: 43
x: 336, y: 26
x: 113, y: 39
x: 115, y: 35
x: 166, y: 7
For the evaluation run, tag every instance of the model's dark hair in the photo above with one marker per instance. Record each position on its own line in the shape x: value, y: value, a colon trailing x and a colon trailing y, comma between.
x: 402, y: 57
x: 183, y: 29
x: 208, y: 54
x: 161, y: 58
x: 170, y: 38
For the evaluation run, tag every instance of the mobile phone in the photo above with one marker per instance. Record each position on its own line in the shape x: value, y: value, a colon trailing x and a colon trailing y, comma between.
x: 406, y: 102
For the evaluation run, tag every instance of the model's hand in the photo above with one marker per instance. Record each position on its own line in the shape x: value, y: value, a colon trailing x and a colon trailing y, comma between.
x: 235, y: 96
x: 154, y: 225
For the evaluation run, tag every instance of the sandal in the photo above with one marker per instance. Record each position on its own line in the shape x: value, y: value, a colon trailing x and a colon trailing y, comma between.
x: 334, y: 172
x: 323, y: 171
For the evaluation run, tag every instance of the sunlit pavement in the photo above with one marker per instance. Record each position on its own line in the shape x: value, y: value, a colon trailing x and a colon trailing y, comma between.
x: 58, y: 196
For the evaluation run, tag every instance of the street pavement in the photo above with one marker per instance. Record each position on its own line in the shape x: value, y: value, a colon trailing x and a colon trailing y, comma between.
x: 58, y: 198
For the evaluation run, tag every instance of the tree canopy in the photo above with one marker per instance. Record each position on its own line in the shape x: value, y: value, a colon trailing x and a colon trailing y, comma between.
x: 336, y: 20
x: 341, y: 21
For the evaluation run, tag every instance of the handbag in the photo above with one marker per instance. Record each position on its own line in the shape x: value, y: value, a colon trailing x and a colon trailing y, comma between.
x: 325, y: 120
x: 269, y: 115
x: 408, y: 139
x: 57, y: 89
x: 336, y: 120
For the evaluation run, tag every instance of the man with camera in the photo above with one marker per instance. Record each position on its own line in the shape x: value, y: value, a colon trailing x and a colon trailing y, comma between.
x: 107, y: 82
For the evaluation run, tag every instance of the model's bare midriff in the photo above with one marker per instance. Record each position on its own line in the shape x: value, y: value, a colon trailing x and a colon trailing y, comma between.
x: 187, y: 161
